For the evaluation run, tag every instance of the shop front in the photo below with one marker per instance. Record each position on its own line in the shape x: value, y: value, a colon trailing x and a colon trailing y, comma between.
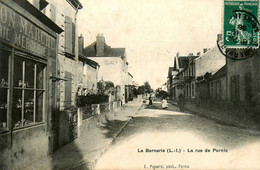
x: 27, y: 92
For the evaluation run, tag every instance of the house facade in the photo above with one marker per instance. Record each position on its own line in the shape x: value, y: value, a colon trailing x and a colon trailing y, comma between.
x: 88, y: 72
x: 64, y: 14
x: 28, y: 61
x: 209, y: 75
x: 113, y: 64
x: 129, y: 88
x: 243, y: 82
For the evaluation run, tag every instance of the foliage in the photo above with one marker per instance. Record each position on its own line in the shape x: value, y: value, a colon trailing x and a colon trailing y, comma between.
x: 147, y: 87
x: 104, y: 87
x: 141, y: 90
x: 92, y: 99
x: 161, y: 93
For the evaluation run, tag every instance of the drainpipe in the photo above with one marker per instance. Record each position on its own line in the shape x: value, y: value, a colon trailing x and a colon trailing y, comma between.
x: 79, y: 109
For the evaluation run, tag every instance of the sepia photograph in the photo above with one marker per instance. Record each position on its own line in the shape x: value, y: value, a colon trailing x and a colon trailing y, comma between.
x: 129, y: 84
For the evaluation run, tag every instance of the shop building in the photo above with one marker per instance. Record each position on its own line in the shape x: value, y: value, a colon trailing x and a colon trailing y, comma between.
x: 28, y: 92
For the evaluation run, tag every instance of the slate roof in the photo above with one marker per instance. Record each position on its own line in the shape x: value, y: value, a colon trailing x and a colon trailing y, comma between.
x: 220, y: 73
x: 170, y: 71
x: 90, y: 51
x: 183, y: 61
x: 88, y: 61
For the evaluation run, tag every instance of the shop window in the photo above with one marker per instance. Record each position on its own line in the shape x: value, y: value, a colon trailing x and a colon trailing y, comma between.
x: 4, y: 89
x: 28, y: 94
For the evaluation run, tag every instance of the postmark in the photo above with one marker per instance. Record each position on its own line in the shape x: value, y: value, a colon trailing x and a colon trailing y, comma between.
x: 240, y: 29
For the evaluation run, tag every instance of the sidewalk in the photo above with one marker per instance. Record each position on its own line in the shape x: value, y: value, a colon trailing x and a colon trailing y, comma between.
x: 84, y: 151
x: 223, y: 117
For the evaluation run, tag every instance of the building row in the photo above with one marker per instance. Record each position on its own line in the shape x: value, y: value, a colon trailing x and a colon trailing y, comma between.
x: 210, y: 77
x: 44, y: 66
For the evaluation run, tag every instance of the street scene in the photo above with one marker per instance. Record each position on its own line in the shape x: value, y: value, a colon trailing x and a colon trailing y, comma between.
x: 119, y: 84
x: 181, y: 140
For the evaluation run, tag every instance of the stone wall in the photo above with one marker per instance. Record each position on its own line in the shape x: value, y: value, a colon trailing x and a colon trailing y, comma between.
x: 100, y: 114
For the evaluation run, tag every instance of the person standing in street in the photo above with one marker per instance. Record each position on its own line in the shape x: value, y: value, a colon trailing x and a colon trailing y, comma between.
x: 150, y: 100
x: 164, y: 103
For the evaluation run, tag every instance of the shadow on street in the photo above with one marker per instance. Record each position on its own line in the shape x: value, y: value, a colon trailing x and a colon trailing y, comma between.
x: 170, y: 120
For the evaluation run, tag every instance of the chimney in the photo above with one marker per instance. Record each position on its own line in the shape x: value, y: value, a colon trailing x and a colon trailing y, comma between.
x: 205, y: 50
x: 100, y: 45
x: 81, y: 43
x: 219, y: 37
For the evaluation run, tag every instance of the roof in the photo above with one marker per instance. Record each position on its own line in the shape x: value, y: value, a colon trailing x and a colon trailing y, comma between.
x: 220, y: 73
x: 38, y: 14
x: 183, y: 61
x: 130, y: 74
x: 76, y: 4
x: 170, y: 71
x: 88, y: 61
x: 90, y: 51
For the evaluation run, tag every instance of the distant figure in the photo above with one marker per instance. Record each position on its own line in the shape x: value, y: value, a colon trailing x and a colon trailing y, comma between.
x: 150, y: 100
x: 164, y: 103
x: 181, y: 102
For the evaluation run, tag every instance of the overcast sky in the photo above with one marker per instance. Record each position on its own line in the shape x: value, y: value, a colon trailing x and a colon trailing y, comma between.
x: 152, y: 31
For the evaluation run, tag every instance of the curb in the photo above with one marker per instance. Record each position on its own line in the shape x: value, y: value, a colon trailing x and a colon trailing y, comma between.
x: 93, y: 164
x: 222, y: 122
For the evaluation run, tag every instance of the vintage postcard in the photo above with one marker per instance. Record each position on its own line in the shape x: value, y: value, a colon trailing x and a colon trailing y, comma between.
x: 129, y: 84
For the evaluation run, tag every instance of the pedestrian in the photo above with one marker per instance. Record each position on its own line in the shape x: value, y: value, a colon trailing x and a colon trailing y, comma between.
x: 150, y: 100
x: 164, y: 103
x: 181, y: 102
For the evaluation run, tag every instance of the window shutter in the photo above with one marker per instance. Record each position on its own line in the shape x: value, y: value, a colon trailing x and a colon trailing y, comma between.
x: 68, y: 35
x: 68, y: 88
x: 73, y: 38
x: 248, y: 89
x: 53, y: 12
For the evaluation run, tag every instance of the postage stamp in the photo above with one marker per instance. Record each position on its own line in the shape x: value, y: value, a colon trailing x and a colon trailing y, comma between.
x: 240, y: 29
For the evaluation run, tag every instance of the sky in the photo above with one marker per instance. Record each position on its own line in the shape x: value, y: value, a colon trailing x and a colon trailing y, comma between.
x: 152, y: 31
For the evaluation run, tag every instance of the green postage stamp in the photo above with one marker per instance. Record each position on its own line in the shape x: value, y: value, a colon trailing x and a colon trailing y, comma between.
x: 241, y: 26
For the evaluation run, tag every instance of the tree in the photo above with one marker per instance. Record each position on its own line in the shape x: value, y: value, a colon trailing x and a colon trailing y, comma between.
x: 147, y: 87
x: 141, y: 90
x: 104, y: 86
x: 135, y: 91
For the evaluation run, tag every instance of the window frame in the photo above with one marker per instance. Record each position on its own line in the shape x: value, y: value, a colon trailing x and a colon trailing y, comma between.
x: 35, y: 89
x: 8, y: 88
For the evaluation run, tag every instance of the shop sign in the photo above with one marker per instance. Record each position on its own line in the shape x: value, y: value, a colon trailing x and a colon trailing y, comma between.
x: 18, y: 31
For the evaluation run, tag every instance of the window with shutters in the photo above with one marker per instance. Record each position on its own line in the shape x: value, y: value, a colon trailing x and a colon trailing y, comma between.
x: 248, y: 89
x: 68, y: 89
x: 53, y: 12
x: 219, y: 90
x: 234, y: 85
x: 69, y: 37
